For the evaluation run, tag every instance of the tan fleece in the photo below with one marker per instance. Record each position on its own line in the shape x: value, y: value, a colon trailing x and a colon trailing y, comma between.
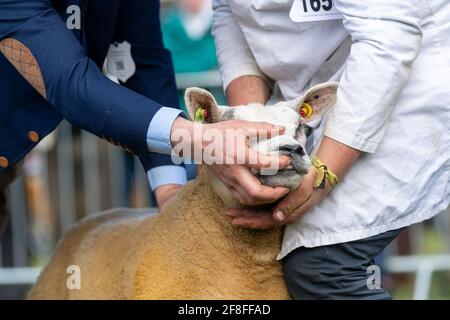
x: 188, y: 251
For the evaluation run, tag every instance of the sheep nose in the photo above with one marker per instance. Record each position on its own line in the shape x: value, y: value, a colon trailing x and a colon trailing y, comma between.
x: 292, y: 149
x: 300, y: 160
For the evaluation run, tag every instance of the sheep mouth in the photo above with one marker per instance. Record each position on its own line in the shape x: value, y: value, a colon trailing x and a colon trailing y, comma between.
x: 288, y: 178
x: 300, y: 161
x: 292, y: 176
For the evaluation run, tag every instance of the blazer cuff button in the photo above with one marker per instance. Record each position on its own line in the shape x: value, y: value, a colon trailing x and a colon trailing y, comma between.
x: 33, y: 136
x: 4, y: 163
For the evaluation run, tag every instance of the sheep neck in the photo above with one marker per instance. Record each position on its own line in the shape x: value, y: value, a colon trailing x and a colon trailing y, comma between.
x: 210, y: 228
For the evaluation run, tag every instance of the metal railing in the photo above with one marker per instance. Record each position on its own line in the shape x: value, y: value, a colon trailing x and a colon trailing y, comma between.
x: 424, y: 266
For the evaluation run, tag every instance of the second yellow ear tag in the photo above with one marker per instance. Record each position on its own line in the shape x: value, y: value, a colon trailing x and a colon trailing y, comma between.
x: 306, y: 111
x: 200, y: 115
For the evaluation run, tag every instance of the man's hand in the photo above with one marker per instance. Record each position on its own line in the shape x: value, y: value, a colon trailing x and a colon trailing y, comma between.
x: 233, y: 136
x: 338, y: 157
x: 165, y: 193
x: 240, y: 181
x: 288, y: 210
x: 245, y: 187
x: 233, y: 167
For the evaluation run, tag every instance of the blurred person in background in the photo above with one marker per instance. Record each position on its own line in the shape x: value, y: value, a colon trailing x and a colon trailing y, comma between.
x: 187, y: 34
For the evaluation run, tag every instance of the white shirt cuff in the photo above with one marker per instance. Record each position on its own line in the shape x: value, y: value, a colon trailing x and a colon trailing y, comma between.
x: 158, y: 134
x: 166, y: 175
x: 351, y: 139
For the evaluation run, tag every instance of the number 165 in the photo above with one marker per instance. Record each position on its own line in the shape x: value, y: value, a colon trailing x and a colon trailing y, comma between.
x: 316, y: 5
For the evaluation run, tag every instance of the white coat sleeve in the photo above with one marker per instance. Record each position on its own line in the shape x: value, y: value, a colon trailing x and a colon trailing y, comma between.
x: 386, y: 39
x: 233, y: 53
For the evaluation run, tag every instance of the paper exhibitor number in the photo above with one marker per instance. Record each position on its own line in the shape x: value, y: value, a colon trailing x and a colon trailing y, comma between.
x: 317, y: 5
x: 314, y: 10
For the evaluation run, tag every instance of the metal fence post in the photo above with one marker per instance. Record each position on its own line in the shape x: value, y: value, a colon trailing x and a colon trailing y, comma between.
x: 91, y: 173
x: 66, y: 179
x: 19, y: 223
x: 116, y: 177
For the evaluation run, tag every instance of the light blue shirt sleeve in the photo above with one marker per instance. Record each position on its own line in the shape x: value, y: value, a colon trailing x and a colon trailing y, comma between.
x: 158, y: 134
x: 158, y: 141
x: 162, y: 175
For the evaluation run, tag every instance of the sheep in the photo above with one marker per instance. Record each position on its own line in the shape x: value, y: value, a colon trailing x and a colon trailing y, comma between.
x: 190, y: 250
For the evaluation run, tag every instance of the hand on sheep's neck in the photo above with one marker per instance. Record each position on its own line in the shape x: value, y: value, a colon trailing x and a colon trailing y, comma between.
x: 224, y: 194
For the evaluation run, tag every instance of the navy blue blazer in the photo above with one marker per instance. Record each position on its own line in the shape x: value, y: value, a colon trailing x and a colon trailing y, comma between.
x: 70, y: 62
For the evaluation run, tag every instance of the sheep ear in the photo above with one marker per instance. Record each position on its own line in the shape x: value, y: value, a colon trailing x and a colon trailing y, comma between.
x: 196, y: 98
x: 316, y: 101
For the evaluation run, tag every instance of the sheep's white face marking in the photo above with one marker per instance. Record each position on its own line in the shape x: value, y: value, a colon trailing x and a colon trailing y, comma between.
x: 285, y: 114
x: 280, y: 114
x: 291, y: 143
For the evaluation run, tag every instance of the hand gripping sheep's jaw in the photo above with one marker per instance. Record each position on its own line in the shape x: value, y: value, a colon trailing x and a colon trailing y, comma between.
x: 293, y: 115
x: 292, y: 176
x: 286, y: 179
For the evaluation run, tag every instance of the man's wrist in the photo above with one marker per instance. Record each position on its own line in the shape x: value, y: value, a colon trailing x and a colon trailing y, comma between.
x: 166, y: 175
x: 338, y: 157
x: 160, y: 130
x: 179, y: 125
x: 188, y: 135
x: 165, y: 193
x: 247, y: 89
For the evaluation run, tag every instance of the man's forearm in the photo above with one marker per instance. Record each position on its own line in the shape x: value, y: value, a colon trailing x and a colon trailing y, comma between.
x: 54, y: 62
x: 247, y: 89
x: 338, y: 157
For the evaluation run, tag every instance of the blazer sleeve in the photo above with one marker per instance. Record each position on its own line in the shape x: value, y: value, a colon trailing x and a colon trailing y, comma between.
x: 386, y: 39
x: 74, y: 85
x: 139, y: 24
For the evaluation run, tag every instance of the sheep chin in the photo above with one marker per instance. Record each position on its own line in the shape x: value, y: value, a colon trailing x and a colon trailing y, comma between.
x: 286, y: 178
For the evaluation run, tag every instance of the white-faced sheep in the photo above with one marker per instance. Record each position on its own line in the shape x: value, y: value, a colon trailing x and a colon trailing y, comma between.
x: 190, y: 250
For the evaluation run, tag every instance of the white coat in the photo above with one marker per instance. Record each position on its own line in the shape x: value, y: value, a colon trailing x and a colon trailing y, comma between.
x: 392, y: 59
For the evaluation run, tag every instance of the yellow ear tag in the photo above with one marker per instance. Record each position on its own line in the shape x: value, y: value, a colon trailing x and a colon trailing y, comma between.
x: 306, y: 111
x: 200, y: 115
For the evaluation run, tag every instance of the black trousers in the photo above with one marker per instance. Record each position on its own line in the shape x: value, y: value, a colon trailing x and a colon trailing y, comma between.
x: 339, y: 271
